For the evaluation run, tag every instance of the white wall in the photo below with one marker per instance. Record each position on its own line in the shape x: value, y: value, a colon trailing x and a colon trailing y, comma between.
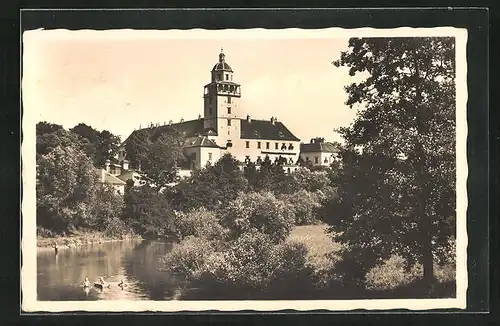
x: 240, y: 151
x: 322, y: 156
x: 203, y: 155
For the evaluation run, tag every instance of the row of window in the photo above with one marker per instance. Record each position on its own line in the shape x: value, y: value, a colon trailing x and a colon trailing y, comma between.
x: 268, y: 145
x: 316, y: 160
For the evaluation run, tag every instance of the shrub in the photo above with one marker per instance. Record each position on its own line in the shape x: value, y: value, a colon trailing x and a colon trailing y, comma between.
x: 44, y: 233
x: 311, y: 180
x: 249, y: 266
x: 115, y: 227
x: 260, y: 211
x: 304, y: 205
x: 199, y: 223
x: 189, y: 258
x: 391, y: 274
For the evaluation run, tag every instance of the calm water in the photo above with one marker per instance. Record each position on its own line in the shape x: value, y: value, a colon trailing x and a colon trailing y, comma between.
x: 60, y: 276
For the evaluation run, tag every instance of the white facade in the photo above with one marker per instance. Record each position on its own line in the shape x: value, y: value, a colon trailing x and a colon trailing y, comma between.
x: 201, y: 156
x: 318, y: 158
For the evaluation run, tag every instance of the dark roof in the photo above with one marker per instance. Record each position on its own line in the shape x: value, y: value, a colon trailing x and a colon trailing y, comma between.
x: 189, y: 128
x: 199, y: 142
x: 222, y: 66
x: 318, y: 147
x: 265, y: 129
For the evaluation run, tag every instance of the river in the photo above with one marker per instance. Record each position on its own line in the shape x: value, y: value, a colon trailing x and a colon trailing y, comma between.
x: 60, y: 276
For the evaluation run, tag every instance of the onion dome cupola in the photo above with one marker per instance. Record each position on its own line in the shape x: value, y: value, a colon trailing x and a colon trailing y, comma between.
x: 222, y: 71
x: 222, y: 64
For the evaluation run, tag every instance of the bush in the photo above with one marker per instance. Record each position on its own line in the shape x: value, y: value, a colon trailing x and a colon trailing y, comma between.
x: 247, y: 267
x: 391, y: 274
x: 198, y: 223
x: 304, y: 205
x: 260, y: 211
x: 115, y: 227
x: 311, y: 180
x: 189, y: 258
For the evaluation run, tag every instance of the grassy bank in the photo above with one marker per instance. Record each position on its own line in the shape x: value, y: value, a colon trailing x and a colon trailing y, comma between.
x: 78, y: 238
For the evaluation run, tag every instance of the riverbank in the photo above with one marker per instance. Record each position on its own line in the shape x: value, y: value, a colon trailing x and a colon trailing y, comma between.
x: 80, y: 238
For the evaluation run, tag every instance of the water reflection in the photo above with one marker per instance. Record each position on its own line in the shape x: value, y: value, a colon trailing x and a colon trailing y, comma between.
x: 61, y: 276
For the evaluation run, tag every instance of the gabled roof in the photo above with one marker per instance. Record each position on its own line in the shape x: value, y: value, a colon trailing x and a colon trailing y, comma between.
x: 110, y: 179
x: 318, y: 147
x: 265, y: 129
x: 199, y: 142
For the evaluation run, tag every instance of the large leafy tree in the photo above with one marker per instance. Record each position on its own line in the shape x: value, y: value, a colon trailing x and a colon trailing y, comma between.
x: 213, y: 187
x: 397, y: 183
x: 66, y: 187
x: 104, y: 144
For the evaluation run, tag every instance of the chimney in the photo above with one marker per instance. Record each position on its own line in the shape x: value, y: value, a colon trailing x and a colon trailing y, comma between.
x: 199, y: 116
x: 125, y: 165
x: 273, y: 121
x: 106, y: 165
x: 170, y: 122
x: 312, y: 140
x: 248, y: 118
x: 182, y: 120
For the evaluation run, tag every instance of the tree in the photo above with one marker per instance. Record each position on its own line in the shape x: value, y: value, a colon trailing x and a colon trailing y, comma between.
x: 104, y: 143
x: 107, y: 146
x: 213, y: 186
x: 162, y: 159
x: 396, y: 186
x: 45, y: 127
x: 148, y: 212
x: 66, y: 188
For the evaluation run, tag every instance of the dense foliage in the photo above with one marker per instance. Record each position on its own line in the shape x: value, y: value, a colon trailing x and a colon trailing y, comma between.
x: 69, y: 193
x: 396, y: 188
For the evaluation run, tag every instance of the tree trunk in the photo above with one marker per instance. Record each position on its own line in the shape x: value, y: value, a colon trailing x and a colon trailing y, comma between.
x: 422, y: 180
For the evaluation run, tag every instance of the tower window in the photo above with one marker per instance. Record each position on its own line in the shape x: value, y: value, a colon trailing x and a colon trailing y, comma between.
x: 248, y: 144
x: 219, y: 76
x: 267, y: 145
x: 228, y: 110
x: 316, y: 159
x: 276, y: 146
x: 229, y: 99
x: 228, y: 122
x: 227, y: 76
x: 209, y: 156
x: 258, y: 144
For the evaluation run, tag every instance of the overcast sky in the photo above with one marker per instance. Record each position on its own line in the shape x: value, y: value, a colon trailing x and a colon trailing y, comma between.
x: 120, y: 80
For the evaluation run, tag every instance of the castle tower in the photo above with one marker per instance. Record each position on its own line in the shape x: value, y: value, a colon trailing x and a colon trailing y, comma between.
x: 221, y: 100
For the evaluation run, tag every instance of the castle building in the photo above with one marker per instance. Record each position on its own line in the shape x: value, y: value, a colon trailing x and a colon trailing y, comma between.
x: 226, y: 128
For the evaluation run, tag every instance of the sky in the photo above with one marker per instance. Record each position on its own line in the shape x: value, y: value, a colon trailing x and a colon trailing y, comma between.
x: 121, y: 80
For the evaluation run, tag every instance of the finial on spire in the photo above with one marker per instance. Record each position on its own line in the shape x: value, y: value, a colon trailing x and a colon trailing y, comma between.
x: 222, y: 55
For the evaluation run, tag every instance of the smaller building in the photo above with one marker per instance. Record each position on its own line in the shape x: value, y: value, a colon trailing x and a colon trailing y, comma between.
x: 200, y: 151
x: 318, y: 152
x: 109, y: 179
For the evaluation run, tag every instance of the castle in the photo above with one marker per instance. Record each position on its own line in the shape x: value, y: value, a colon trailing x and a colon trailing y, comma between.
x: 225, y: 128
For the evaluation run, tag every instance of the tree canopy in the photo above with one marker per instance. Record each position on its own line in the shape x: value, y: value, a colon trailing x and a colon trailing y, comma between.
x: 396, y: 187
x: 104, y: 143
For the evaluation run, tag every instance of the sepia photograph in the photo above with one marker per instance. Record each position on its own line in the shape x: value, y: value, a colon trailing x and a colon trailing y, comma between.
x: 244, y: 169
